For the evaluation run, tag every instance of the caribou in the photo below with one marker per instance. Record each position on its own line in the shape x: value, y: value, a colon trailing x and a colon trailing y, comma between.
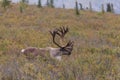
x: 55, y: 53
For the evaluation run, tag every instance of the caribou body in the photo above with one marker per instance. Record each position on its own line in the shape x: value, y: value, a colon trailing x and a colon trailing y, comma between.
x: 55, y: 53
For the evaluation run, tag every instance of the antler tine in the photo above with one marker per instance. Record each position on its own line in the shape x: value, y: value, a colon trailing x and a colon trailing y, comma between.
x: 53, y: 33
x: 65, y: 29
x: 58, y: 32
x: 62, y: 31
x: 70, y: 43
x: 68, y: 47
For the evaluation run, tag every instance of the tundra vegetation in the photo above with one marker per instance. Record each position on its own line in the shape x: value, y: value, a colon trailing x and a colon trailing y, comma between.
x: 96, y: 36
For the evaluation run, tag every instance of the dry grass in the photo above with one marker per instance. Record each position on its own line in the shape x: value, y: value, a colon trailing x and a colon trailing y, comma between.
x: 96, y: 51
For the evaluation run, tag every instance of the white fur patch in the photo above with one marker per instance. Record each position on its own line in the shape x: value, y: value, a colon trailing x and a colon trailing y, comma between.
x: 58, y: 58
x: 22, y: 50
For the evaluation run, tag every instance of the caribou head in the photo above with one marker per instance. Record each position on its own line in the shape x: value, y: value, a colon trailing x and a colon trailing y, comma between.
x: 66, y: 49
x: 54, y: 52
